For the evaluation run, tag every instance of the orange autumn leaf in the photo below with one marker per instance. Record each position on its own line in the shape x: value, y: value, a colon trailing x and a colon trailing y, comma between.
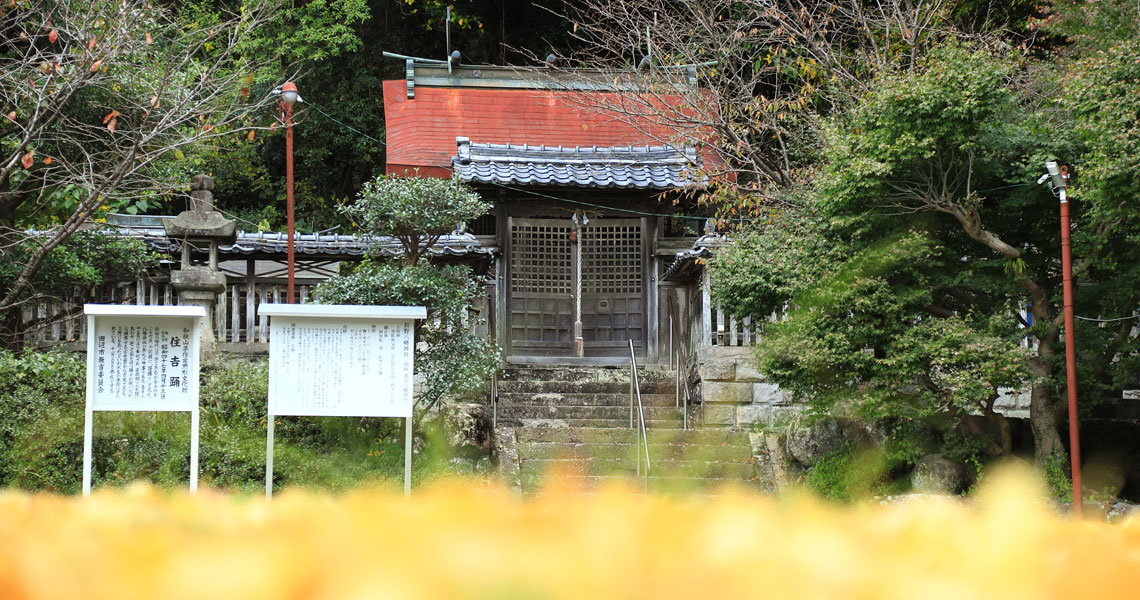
x: 114, y: 124
x: 149, y: 39
x: 95, y: 66
x: 91, y: 44
x: 250, y: 136
x: 53, y: 36
x: 28, y: 159
x: 154, y: 101
x: 111, y: 115
x: 47, y: 160
x: 12, y: 116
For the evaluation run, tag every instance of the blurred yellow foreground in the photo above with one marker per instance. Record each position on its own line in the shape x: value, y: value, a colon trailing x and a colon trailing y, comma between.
x: 455, y: 541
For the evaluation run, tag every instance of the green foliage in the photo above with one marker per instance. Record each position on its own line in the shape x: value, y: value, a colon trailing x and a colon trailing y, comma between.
x: 35, y: 387
x: 86, y: 259
x: 848, y: 474
x: 1057, y: 477
x: 968, y: 450
x: 41, y: 435
x: 415, y: 210
x: 950, y: 126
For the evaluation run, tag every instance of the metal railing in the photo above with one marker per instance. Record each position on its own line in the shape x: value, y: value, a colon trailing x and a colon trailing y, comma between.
x: 494, y: 397
x: 679, y: 351
x: 635, y: 391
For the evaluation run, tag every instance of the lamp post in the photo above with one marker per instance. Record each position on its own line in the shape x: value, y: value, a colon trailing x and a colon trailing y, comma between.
x: 1059, y: 177
x: 289, y: 95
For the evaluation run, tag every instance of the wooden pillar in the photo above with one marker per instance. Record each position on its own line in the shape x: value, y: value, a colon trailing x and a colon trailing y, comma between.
x: 250, y: 299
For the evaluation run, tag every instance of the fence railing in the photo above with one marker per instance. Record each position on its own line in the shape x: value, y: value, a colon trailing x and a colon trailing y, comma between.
x: 236, y: 317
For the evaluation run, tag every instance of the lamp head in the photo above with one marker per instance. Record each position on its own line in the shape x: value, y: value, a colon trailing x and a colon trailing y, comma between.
x: 289, y: 93
x: 1058, y: 175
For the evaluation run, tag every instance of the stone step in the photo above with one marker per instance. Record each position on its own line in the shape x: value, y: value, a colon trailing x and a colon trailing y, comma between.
x: 532, y: 482
x: 575, y: 413
x: 584, y: 374
x: 583, y: 387
x: 661, y: 467
x: 539, y: 423
x: 611, y: 435
x: 559, y: 399
x: 614, y: 450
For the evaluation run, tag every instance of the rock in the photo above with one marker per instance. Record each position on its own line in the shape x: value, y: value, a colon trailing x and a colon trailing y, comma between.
x: 809, y: 439
x: 937, y: 475
x: 467, y: 428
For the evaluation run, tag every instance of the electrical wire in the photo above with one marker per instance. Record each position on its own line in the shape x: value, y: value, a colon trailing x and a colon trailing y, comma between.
x: 1107, y: 320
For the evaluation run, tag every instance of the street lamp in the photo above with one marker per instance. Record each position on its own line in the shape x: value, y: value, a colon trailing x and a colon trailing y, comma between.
x: 289, y: 96
x: 1058, y: 177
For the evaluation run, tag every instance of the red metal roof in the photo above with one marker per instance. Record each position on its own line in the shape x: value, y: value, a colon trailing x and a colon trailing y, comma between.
x: 421, y: 131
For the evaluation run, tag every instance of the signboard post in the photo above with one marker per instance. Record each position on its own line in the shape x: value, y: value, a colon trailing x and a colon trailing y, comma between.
x: 142, y: 358
x: 341, y: 361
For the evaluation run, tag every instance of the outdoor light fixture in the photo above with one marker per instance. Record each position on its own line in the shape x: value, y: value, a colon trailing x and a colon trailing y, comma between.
x: 1058, y: 177
x: 289, y: 93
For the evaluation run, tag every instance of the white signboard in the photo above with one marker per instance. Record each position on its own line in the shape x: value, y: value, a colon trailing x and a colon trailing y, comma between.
x: 142, y: 358
x: 335, y: 360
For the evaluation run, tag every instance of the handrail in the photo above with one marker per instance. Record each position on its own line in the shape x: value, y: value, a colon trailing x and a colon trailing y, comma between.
x: 494, y: 394
x: 635, y: 387
x: 681, y: 389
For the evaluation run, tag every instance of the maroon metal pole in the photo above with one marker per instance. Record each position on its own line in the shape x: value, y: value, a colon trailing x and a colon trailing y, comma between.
x: 289, y: 190
x: 1071, y: 353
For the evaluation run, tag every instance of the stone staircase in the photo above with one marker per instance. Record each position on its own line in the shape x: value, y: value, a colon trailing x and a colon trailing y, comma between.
x: 573, y: 422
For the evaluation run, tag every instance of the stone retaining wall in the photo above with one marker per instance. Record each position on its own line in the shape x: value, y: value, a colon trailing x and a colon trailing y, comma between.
x: 735, y: 394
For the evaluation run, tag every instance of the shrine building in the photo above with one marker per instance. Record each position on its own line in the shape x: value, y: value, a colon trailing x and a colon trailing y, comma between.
x: 584, y: 196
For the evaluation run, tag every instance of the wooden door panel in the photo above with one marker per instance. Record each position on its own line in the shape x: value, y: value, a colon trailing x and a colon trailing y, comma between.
x: 541, y: 286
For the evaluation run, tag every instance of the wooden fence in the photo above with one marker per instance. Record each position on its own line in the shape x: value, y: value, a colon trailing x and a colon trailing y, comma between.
x: 236, y: 318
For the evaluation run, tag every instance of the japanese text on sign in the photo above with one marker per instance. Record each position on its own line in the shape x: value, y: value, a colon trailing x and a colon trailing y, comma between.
x: 142, y: 363
x: 332, y: 367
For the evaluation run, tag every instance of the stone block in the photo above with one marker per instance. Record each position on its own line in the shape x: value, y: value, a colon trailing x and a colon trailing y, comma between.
x: 720, y: 369
x: 746, y: 370
x: 198, y: 278
x: 786, y: 414
x: 752, y: 414
x: 769, y: 393
x: 723, y: 352
x: 718, y: 415
x: 726, y: 392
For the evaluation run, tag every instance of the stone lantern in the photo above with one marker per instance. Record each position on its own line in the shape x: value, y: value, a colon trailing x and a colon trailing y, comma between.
x: 201, y: 226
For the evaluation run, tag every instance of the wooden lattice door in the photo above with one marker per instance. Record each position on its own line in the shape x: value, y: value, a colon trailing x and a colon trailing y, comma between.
x: 541, y: 287
x: 613, y: 287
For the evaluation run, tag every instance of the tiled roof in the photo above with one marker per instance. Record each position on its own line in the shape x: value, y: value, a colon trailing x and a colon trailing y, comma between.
x: 630, y: 167
x: 684, y: 261
x: 248, y: 243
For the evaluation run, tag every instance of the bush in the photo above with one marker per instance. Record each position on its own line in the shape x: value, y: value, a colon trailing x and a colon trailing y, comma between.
x: 849, y: 474
x: 36, y: 387
x: 41, y: 435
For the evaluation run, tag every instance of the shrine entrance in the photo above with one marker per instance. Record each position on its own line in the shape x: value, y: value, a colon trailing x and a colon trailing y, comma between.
x: 545, y: 280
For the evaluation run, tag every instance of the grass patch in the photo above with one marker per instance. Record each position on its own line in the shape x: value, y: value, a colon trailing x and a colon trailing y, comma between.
x: 41, y: 436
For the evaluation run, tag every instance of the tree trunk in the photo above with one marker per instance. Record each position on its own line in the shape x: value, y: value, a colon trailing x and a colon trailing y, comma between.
x: 1043, y: 407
